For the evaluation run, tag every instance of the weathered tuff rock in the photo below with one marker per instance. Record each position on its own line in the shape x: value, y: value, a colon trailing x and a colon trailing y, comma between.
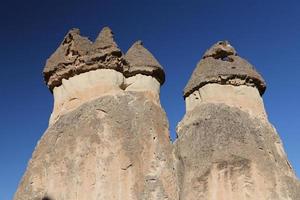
x: 222, y: 65
x: 108, y: 137
x: 141, y: 61
x: 226, y: 148
x: 224, y: 153
x: 114, y: 147
x: 143, y: 71
x: 77, y: 54
x: 75, y: 90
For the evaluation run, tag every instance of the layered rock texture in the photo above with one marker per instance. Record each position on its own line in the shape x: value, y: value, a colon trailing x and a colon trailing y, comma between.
x: 226, y: 147
x: 108, y: 136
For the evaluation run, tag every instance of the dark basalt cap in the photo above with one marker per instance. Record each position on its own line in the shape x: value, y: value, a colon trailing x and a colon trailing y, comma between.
x: 141, y: 61
x: 221, y: 64
x: 77, y: 54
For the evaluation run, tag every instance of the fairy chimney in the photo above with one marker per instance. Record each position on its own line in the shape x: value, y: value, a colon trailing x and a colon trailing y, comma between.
x: 226, y: 147
x: 143, y: 72
x: 108, y: 138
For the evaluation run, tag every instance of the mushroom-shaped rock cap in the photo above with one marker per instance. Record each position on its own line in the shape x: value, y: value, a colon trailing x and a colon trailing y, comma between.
x: 141, y: 61
x: 221, y: 64
x: 72, y: 47
x: 104, y: 53
x: 105, y: 43
x: 77, y: 54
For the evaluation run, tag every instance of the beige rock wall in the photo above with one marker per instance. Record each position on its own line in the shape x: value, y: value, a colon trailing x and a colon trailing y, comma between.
x: 93, y: 84
x: 141, y: 83
x: 115, y: 147
x: 108, y: 136
x: 227, y: 149
x: 84, y: 87
x: 243, y: 97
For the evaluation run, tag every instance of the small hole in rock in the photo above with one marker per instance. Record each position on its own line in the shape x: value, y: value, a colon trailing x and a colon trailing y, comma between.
x: 226, y: 58
x: 46, y: 198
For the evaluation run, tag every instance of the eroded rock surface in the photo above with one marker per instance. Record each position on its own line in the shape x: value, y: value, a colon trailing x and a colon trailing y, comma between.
x: 108, y: 136
x: 224, y: 153
x: 83, y: 88
x: 243, y: 97
x: 226, y: 147
x: 77, y: 54
x: 141, y: 61
x: 222, y: 65
x: 114, y: 147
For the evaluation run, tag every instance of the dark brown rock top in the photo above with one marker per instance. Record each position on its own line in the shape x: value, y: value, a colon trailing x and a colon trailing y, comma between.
x: 219, y: 50
x: 221, y: 64
x: 77, y: 54
x: 105, y: 44
x: 141, y: 61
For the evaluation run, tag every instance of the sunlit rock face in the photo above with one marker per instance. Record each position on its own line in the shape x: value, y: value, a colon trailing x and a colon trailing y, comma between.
x: 222, y: 65
x: 141, y: 61
x: 142, y: 83
x: 108, y: 136
x: 84, y: 87
x: 243, y: 97
x: 224, y: 153
x: 226, y: 148
x: 143, y: 71
x: 114, y: 147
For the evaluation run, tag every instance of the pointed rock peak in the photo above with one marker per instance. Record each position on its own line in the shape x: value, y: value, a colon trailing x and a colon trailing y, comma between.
x: 139, y: 56
x: 221, y: 50
x: 105, y: 34
x: 71, y: 48
x: 222, y: 65
x: 105, y: 39
x: 74, y: 30
x: 74, y: 34
x: 137, y: 43
x: 141, y: 61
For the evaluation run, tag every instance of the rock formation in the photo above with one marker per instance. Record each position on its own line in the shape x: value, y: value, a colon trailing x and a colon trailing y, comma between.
x: 226, y: 147
x: 108, y: 136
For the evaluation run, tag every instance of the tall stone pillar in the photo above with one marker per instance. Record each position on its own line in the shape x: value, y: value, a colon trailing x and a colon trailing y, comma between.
x: 108, y: 135
x: 226, y: 148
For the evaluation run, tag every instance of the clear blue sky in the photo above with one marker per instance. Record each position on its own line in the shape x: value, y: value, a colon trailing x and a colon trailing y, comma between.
x: 267, y: 33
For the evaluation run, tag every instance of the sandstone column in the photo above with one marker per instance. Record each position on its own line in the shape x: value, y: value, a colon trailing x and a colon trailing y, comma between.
x: 108, y: 136
x: 226, y: 147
